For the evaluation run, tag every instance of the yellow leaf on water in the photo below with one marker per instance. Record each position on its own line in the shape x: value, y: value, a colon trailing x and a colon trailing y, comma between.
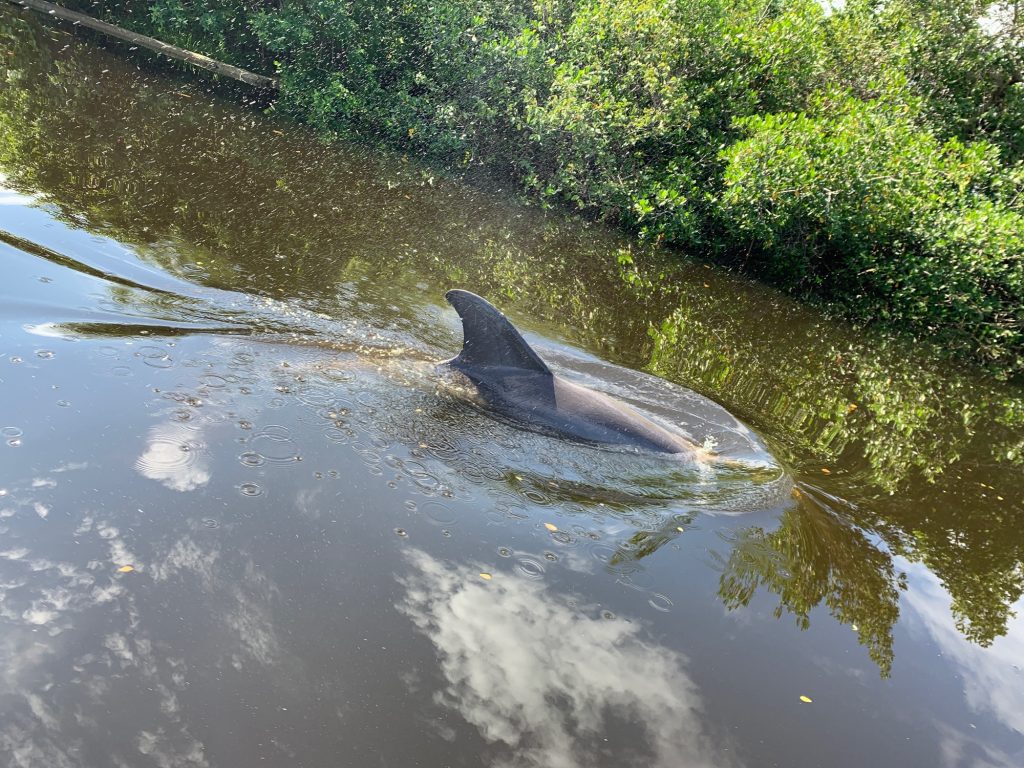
x: 551, y: 526
x: 126, y: 569
x: 805, y: 699
x: 485, y: 576
x: 826, y: 471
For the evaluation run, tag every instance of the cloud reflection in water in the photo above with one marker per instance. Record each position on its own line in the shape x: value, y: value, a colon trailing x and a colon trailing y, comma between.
x: 993, y: 683
x: 78, y: 647
x: 173, y: 457
x: 556, y: 684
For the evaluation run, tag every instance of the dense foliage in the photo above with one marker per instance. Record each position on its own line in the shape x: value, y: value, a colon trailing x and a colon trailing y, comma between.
x: 870, y: 155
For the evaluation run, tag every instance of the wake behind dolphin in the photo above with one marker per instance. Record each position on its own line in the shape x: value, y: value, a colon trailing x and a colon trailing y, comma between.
x: 512, y: 379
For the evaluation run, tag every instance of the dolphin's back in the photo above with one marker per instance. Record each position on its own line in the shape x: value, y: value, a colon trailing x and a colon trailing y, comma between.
x: 511, y: 378
x: 595, y: 417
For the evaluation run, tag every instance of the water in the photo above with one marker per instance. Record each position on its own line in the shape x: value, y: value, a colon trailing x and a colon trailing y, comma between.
x: 243, y: 520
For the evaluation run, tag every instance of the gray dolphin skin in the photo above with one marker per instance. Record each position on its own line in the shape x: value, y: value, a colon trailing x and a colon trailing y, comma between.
x: 512, y: 380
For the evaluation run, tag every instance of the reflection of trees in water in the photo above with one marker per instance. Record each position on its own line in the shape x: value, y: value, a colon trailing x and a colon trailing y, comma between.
x: 843, y: 558
x: 826, y: 553
x: 867, y: 404
x: 931, y: 457
x: 816, y: 557
x: 221, y: 195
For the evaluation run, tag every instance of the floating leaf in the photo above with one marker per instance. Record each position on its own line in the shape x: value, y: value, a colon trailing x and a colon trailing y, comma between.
x: 551, y: 527
x: 826, y: 471
x: 485, y: 576
x: 805, y: 699
x: 126, y: 569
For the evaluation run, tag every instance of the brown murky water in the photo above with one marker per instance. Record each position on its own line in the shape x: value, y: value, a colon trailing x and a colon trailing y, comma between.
x: 242, y: 522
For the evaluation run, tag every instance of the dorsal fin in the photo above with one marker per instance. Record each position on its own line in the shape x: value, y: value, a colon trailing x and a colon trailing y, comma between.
x: 489, y: 339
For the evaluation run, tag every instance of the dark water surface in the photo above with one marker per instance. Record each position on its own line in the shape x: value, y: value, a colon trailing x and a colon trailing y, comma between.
x: 243, y: 522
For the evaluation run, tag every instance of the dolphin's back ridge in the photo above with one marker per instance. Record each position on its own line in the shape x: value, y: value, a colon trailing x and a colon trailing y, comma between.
x: 511, y: 379
x: 489, y: 339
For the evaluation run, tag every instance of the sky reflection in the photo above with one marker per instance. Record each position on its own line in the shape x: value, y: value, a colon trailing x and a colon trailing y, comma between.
x: 556, y: 683
x: 993, y: 678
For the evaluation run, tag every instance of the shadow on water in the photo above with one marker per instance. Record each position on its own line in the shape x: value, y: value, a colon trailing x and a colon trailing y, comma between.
x: 249, y: 320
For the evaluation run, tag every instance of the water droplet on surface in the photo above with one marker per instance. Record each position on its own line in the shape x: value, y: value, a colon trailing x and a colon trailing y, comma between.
x: 210, y: 523
x: 155, y: 357
x: 251, y: 459
x: 563, y: 537
x: 273, y: 444
x: 536, y: 497
x: 530, y: 567
x: 213, y: 381
x: 250, y: 489
x: 440, y: 513
x: 165, y: 454
x: 504, y: 552
x: 45, y: 354
x: 660, y: 602
x: 401, y: 532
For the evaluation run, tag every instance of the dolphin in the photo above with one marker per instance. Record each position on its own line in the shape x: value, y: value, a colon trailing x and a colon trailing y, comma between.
x: 510, y: 378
